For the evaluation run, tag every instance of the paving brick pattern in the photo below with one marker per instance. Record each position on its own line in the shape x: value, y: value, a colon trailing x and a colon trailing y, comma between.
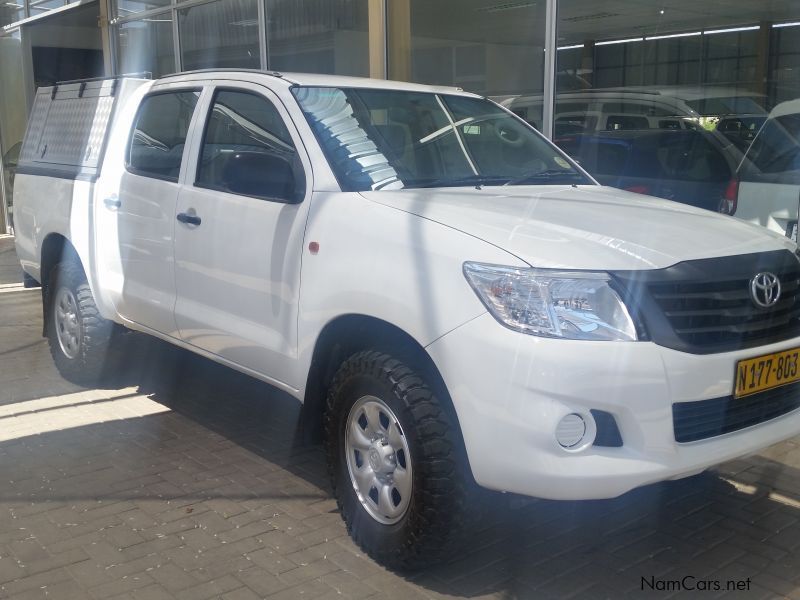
x: 182, y: 479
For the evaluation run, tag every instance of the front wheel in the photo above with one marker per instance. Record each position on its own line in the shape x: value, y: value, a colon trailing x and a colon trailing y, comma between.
x: 78, y: 336
x: 394, y: 462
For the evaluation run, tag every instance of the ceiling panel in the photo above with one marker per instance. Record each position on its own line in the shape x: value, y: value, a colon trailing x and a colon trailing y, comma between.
x: 522, y: 22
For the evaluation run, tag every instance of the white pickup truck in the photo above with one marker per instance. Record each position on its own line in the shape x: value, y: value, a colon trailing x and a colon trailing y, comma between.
x: 453, y: 298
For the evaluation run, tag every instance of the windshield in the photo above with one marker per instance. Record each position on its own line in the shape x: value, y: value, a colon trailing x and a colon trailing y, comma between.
x: 388, y: 139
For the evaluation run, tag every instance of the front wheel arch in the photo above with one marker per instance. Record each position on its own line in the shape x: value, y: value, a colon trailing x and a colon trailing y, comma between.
x: 348, y: 334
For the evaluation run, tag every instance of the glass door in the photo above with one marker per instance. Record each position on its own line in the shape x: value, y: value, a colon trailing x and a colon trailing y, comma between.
x: 13, y: 119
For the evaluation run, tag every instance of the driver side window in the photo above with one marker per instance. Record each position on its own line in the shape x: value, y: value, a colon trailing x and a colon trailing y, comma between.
x: 247, y: 150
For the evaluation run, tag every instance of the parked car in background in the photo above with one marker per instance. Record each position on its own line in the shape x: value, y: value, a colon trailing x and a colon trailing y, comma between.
x: 689, y: 166
x: 604, y: 109
x: 769, y: 175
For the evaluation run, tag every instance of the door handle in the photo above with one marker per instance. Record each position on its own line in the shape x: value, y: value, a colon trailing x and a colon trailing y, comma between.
x: 112, y: 202
x: 189, y: 219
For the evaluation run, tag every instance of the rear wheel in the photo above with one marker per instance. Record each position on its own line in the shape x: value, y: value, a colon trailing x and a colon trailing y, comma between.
x: 394, y: 464
x: 78, y: 336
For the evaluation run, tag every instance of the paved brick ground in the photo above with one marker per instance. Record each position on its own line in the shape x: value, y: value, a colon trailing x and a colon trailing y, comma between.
x: 182, y: 479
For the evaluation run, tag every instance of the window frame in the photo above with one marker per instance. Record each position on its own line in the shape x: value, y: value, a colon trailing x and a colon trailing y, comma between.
x: 128, y: 145
x: 199, y: 154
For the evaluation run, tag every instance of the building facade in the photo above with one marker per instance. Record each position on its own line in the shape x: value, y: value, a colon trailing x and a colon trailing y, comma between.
x: 729, y: 62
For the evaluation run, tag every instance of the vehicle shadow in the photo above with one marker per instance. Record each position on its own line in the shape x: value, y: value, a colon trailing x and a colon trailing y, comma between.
x: 741, y: 520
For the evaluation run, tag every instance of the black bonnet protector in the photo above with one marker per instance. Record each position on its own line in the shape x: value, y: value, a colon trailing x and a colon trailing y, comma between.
x: 706, y: 306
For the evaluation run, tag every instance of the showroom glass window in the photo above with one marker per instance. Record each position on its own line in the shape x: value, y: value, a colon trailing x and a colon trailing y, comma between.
x: 147, y: 46
x: 319, y: 36
x: 126, y: 8
x: 492, y: 48
x: 220, y: 34
x: 665, y: 100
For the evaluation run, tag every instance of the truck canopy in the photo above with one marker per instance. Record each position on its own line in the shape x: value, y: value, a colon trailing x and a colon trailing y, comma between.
x: 68, y: 127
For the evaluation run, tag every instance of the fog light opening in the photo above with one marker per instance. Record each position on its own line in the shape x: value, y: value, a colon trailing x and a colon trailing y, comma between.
x: 575, y: 432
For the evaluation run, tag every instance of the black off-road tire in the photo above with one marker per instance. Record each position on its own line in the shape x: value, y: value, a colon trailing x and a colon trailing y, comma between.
x: 95, y: 332
x: 431, y: 526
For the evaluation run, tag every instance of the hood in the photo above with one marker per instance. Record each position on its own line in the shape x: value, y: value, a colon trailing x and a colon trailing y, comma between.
x: 585, y: 227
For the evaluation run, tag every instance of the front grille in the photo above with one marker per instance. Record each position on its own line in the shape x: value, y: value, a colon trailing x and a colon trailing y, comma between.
x: 704, y: 306
x: 704, y: 419
x: 722, y: 313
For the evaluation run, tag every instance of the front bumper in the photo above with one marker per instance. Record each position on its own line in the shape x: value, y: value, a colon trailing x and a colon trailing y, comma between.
x: 510, y: 390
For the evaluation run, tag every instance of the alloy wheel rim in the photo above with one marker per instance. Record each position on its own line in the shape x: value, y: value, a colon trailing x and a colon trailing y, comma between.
x: 66, y: 321
x: 378, y: 460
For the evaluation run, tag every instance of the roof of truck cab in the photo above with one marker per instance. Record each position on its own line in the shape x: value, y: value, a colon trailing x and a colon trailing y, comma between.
x: 307, y: 79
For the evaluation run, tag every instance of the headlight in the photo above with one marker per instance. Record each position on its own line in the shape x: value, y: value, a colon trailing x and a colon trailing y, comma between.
x: 566, y: 304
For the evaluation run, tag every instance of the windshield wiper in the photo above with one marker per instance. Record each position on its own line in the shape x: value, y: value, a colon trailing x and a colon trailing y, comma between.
x: 458, y: 181
x: 546, y: 176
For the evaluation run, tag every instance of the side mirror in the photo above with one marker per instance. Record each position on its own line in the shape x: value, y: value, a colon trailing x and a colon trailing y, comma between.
x: 262, y: 175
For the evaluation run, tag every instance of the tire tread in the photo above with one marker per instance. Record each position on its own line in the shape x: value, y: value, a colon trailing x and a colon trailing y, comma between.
x: 434, y: 529
x: 88, y: 367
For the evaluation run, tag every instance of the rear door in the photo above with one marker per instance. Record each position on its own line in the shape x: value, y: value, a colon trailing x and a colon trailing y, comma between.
x: 145, y: 206
x: 769, y: 188
x: 239, y: 233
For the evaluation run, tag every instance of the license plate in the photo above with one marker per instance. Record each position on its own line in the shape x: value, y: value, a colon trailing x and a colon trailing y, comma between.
x: 761, y: 373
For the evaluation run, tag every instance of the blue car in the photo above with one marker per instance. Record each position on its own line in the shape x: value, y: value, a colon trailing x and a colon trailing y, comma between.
x: 690, y: 166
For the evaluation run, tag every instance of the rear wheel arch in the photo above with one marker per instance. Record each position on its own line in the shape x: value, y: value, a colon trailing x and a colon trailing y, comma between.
x: 55, y: 249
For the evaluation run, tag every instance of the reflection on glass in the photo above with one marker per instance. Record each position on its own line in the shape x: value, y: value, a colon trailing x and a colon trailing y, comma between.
x: 319, y: 36
x: 665, y: 101
x: 492, y: 48
x: 11, y: 11
x: 146, y: 45
x: 768, y: 185
x: 220, y: 34
x: 39, y: 7
x: 379, y: 139
x: 125, y: 8
x: 247, y: 149
x: 159, y: 136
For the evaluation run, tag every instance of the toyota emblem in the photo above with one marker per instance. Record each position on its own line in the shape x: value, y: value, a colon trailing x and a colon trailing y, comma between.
x: 765, y: 290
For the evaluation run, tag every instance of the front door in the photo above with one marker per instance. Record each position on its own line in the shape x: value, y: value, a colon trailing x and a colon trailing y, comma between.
x: 239, y: 234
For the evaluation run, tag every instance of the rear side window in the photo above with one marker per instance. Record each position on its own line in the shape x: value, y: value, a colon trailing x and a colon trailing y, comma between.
x: 601, y: 157
x: 159, y: 135
x: 616, y: 122
x: 636, y: 108
x: 688, y: 156
x: 247, y: 149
